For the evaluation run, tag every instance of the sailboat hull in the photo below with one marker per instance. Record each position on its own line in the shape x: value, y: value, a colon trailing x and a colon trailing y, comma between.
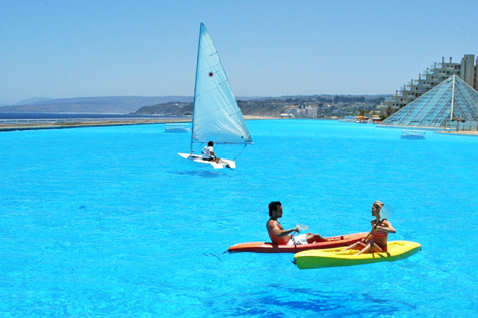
x: 223, y: 163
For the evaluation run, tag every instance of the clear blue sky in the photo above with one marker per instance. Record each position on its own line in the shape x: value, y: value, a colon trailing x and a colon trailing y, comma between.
x: 269, y: 48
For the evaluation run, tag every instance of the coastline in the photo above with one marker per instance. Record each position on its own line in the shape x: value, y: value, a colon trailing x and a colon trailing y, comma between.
x: 126, y: 122
x: 105, y: 123
x: 258, y: 117
x: 81, y: 124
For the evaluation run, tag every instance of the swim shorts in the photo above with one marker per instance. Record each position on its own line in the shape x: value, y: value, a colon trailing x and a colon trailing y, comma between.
x: 298, y: 240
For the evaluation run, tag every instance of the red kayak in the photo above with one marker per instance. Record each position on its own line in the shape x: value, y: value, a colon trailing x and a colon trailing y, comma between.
x: 266, y: 247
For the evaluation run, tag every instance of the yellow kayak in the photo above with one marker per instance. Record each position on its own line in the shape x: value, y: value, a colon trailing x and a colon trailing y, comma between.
x: 340, y: 257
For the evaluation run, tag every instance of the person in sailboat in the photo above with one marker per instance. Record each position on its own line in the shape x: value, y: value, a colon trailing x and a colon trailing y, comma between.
x: 208, y: 152
x: 280, y: 236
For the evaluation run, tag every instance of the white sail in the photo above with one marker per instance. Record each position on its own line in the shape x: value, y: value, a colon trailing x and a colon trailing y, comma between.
x: 216, y: 115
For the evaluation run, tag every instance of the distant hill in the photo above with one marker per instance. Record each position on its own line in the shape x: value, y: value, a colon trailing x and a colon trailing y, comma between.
x: 299, y: 106
x: 248, y: 107
x: 33, y: 100
x: 91, y: 105
x: 168, y: 109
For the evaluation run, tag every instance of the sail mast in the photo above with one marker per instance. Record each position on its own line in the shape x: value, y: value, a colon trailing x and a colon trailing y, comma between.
x: 195, y: 85
x: 216, y: 115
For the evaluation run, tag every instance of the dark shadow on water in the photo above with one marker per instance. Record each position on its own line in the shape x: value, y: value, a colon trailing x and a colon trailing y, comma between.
x: 335, y: 304
x: 200, y: 173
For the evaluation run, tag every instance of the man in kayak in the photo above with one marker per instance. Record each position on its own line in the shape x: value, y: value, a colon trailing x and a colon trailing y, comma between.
x: 208, y: 152
x: 376, y: 240
x: 280, y: 236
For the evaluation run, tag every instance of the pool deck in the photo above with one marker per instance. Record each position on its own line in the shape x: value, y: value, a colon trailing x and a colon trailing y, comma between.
x: 103, y: 122
x: 95, y: 123
x: 460, y: 132
x: 442, y: 131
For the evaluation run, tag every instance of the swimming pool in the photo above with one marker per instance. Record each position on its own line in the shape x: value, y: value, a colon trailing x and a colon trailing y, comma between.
x: 111, y: 222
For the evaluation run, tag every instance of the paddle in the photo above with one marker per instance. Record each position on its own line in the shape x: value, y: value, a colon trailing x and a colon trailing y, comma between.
x: 386, y: 212
x: 301, y: 227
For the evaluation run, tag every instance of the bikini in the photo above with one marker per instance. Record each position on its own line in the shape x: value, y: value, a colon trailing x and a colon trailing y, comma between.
x: 379, y: 234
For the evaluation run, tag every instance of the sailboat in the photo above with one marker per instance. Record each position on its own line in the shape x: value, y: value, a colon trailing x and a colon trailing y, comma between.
x: 216, y: 116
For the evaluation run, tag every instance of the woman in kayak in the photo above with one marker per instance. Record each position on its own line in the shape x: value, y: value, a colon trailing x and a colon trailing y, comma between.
x: 376, y: 240
x: 280, y: 236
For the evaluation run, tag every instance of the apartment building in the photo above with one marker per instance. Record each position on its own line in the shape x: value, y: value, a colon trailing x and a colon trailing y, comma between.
x: 467, y: 70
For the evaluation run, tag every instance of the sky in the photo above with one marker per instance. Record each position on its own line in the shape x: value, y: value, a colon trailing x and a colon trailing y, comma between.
x: 62, y: 49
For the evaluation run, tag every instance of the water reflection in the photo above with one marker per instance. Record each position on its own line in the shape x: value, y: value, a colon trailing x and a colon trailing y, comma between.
x: 200, y: 173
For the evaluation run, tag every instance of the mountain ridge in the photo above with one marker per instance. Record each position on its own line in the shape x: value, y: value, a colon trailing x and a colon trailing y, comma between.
x: 91, y: 105
x: 298, y: 105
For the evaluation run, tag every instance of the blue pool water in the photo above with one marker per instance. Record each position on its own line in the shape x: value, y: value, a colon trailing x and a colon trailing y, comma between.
x: 110, y: 222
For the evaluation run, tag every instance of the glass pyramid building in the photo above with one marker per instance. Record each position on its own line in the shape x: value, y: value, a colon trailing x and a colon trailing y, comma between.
x: 444, y: 105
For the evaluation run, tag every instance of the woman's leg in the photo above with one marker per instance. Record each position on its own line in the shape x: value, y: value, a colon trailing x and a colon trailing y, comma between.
x: 366, y: 249
x: 377, y: 249
x: 370, y: 248
x: 356, y: 246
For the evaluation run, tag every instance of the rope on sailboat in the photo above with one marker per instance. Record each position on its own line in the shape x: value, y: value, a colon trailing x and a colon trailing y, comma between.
x: 243, y: 148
